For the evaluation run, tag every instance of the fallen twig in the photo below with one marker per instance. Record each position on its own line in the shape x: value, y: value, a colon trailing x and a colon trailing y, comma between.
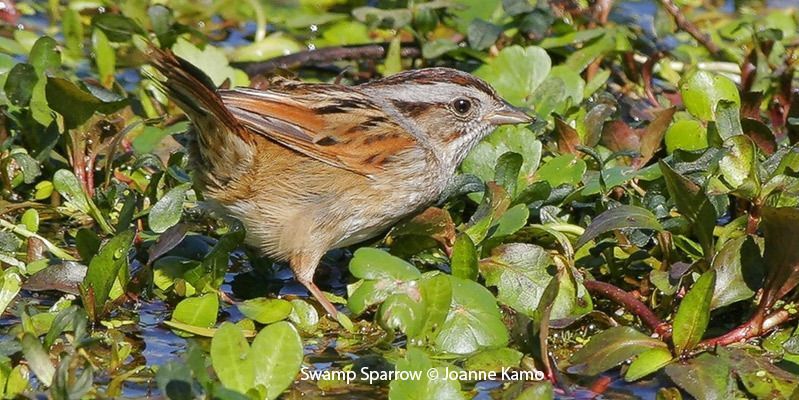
x: 329, y: 54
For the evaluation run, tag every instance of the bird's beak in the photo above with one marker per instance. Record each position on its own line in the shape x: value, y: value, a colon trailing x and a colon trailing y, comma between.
x: 508, y: 114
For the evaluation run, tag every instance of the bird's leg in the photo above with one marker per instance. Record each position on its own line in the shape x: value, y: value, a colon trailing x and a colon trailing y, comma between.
x: 304, y: 268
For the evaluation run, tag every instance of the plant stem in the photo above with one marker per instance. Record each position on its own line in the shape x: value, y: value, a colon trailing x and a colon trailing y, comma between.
x: 690, y: 28
x: 55, y: 250
x: 629, y: 302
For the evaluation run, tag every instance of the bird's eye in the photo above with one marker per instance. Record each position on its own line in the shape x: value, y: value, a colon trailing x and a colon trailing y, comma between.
x: 462, y: 106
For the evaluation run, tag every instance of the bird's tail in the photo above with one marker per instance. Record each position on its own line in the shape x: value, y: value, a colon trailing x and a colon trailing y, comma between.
x: 222, y: 148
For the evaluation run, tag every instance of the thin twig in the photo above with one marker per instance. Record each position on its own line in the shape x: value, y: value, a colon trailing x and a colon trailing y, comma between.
x: 329, y: 54
x: 690, y: 28
x: 628, y: 301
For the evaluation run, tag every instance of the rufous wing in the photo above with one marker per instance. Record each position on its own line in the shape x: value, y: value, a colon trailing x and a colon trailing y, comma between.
x: 346, y: 131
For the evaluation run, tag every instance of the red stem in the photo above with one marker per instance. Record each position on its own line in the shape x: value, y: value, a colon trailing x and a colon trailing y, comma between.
x: 629, y: 302
x: 750, y: 329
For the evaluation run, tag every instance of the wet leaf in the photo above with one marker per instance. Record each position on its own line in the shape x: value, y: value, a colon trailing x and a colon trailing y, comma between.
x: 686, y: 134
x: 371, y: 263
x: 464, y: 258
x: 494, y: 360
x: 197, y: 311
x: 278, y: 350
x: 759, y: 375
x: 702, y: 90
x: 401, y: 312
x: 10, y: 283
x: 436, y: 292
x: 482, y: 34
x: 610, y: 348
x: 167, y: 241
x: 739, y: 271
x: 647, y: 363
x: 230, y: 357
x: 168, y: 210
x: 739, y: 166
x: 507, y: 171
x: 38, y: 358
x: 619, y: 217
x: 780, y: 227
x: 20, y: 83
x: 265, y: 311
x: 428, y: 386
x: 516, y: 72
x: 563, y: 169
x: 104, y: 269
x: 521, y: 273
x: 694, y: 204
x: 693, y: 315
x: 703, y: 377
x: 473, y: 323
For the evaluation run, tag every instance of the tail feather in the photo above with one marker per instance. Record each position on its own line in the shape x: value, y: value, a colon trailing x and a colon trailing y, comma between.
x: 223, y: 147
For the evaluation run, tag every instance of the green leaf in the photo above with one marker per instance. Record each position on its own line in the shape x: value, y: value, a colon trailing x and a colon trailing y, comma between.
x: 693, y: 316
x: 38, y: 359
x: 44, y: 56
x: 728, y: 119
x: 104, y: 269
x: 10, y: 284
x: 304, y: 315
x: 739, y: 271
x: 117, y: 27
x: 168, y: 210
x: 759, y: 375
x: 483, y: 159
x: 694, y: 204
x: 371, y: 263
x: 482, y: 34
x: 200, y: 311
x: 211, y: 60
x: 507, y: 171
x: 686, y: 134
x: 67, y: 184
x: 739, y: 167
x: 473, y: 323
x: 429, y: 385
x: 464, y: 258
x: 19, y: 85
x: 265, y: 311
x: 704, y: 377
x: 104, y: 57
x: 494, y: 360
x: 647, y: 363
x: 702, y: 90
x: 521, y: 273
x: 619, y: 217
x: 279, y: 355
x: 77, y: 104
x: 610, y: 348
x: 230, y: 357
x: 517, y: 72
x: 780, y: 229
x: 400, y: 311
x: 436, y: 292
x: 563, y: 169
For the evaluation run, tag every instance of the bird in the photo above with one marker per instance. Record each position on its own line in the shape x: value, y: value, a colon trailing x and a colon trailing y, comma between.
x: 310, y: 167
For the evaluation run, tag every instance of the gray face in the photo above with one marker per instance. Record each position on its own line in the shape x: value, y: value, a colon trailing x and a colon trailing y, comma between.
x: 449, y: 109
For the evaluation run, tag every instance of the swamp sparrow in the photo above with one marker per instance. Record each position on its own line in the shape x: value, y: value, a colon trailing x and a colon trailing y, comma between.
x: 309, y: 167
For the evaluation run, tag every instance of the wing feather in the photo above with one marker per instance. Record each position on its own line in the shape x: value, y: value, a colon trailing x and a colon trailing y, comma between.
x: 347, y: 131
